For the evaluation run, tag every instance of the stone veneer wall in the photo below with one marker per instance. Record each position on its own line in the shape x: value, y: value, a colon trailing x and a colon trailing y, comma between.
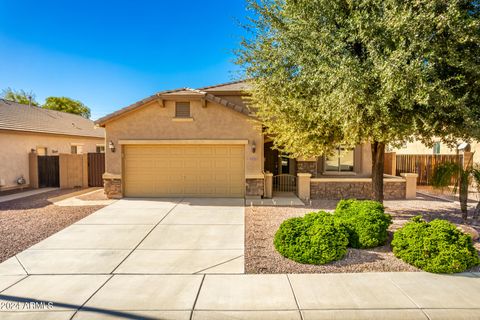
x: 307, y: 167
x: 392, y: 190
x: 113, y: 188
x: 254, y: 187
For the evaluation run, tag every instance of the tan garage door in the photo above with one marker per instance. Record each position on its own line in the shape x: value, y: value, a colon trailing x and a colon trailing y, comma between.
x: 184, y: 170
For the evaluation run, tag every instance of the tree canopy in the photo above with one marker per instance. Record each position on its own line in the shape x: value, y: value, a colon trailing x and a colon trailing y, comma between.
x: 65, y: 104
x: 326, y: 73
x: 20, y: 96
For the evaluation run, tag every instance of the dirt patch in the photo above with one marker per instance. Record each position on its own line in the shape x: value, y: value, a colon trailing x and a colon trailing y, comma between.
x: 26, y: 221
x: 261, y: 223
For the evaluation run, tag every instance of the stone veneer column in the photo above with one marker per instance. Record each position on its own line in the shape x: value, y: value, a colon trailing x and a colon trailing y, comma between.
x: 410, y: 185
x: 303, y: 185
x: 112, y: 184
x: 254, y: 187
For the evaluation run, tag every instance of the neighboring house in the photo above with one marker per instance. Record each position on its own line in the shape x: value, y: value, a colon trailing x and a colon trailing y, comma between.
x: 416, y: 147
x: 28, y: 129
x: 207, y: 142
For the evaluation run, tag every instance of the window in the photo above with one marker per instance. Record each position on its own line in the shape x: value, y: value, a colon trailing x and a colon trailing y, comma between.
x: 41, y: 151
x: 436, y: 148
x: 182, y: 110
x: 76, y: 149
x: 340, y: 161
x: 100, y: 148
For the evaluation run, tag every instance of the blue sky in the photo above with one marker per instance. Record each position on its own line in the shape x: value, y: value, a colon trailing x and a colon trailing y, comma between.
x: 109, y: 54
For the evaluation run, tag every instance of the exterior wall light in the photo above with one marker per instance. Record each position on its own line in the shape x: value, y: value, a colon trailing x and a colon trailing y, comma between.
x: 111, y: 146
x: 254, y: 146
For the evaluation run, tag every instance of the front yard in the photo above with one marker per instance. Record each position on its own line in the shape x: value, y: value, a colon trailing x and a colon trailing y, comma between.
x: 26, y: 221
x: 261, y: 223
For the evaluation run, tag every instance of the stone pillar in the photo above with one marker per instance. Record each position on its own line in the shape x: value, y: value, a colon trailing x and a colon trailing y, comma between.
x: 33, y: 170
x: 268, y: 185
x: 112, y: 184
x: 254, y: 187
x: 410, y: 185
x: 303, y: 185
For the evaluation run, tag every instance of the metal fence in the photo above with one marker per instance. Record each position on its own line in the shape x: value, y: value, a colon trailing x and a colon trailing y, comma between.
x: 285, y: 183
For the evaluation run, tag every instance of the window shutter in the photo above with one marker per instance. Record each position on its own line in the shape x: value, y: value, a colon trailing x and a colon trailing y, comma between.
x: 182, y: 110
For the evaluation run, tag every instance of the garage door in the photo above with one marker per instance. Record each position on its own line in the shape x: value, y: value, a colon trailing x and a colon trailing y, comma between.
x: 184, y: 170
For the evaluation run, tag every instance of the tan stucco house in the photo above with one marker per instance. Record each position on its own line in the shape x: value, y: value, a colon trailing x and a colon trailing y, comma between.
x: 28, y: 129
x: 207, y: 143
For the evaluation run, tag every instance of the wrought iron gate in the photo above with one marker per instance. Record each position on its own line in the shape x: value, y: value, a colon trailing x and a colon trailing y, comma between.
x: 285, y: 183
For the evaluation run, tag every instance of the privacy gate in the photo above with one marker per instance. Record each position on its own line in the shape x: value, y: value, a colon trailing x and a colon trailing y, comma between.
x: 96, y: 168
x: 48, y: 171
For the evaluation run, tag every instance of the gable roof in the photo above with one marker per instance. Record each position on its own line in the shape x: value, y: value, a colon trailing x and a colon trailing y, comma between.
x: 181, y: 92
x: 21, y: 117
x: 234, y: 86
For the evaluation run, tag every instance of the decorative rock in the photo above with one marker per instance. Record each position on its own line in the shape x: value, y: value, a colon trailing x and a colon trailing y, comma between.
x: 469, y: 230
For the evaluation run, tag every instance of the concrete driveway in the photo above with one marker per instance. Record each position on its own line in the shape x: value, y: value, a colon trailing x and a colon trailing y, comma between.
x: 138, y: 236
x: 183, y: 259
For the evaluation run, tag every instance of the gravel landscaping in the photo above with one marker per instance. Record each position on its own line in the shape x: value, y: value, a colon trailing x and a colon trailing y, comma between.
x: 26, y: 221
x: 261, y: 223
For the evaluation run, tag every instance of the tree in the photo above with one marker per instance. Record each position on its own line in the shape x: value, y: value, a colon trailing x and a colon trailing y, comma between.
x: 65, y: 104
x: 20, y: 96
x: 326, y: 73
x: 463, y: 178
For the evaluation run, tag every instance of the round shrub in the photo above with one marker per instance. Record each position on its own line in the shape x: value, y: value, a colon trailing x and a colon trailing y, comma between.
x: 313, y: 239
x: 437, y: 246
x: 365, y: 221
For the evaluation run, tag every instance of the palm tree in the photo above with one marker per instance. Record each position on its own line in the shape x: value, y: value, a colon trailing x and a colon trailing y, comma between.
x: 463, y: 177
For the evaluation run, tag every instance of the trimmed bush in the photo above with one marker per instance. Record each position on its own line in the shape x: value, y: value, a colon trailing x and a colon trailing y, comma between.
x: 313, y: 239
x: 437, y: 246
x: 365, y: 221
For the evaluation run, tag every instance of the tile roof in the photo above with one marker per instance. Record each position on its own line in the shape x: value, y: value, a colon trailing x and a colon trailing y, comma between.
x: 234, y: 86
x: 176, y: 93
x: 21, y: 117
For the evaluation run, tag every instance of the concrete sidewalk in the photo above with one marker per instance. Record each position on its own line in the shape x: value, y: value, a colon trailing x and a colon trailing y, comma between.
x: 300, y: 296
x: 25, y: 194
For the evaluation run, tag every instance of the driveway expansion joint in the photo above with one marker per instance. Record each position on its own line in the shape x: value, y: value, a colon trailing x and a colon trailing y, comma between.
x: 148, y: 233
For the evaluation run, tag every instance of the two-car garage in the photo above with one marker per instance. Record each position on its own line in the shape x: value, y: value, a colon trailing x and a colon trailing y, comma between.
x: 177, y: 170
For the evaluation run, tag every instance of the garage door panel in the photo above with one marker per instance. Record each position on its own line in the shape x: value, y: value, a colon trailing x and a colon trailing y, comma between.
x: 184, y: 170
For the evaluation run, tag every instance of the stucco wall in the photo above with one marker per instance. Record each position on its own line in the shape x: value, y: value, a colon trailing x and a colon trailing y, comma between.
x: 17, y: 145
x: 152, y: 122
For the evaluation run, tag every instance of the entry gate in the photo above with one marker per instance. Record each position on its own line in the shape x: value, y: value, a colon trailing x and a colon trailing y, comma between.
x: 285, y: 183
x: 96, y: 168
x: 48, y: 171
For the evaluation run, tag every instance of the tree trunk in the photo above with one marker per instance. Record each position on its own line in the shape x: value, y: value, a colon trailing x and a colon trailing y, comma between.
x: 378, y: 156
x: 463, y: 194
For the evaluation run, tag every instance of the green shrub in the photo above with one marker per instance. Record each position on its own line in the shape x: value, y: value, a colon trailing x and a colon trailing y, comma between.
x: 313, y: 239
x: 437, y: 246
x: 365, y: 221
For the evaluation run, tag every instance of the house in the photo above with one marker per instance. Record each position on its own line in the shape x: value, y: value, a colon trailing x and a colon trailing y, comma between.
x: 417, y: 147
x: 28, y: 129
x: 207, y: 142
